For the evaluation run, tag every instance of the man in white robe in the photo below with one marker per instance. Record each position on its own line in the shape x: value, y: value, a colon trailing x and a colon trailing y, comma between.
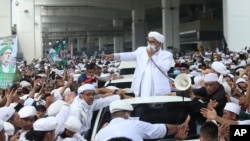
x: 149, y: 79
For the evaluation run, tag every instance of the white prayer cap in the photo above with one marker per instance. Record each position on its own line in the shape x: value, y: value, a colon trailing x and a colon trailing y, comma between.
x: 73, y: 124
x: 24, y: 84
x: 1, y: 125
x: 232, y: 107
x: 6, y: 113
x: 85, y: 87
x: 27, y: 111
x: 42, y: 75
x: 45, y: 124
x: 55, y: 107
x: 239, y: 69
x: 9, y: 128
x: 211, y: 77
x: 241, y: 80
x: 120, y: 105
x: 159, y: 37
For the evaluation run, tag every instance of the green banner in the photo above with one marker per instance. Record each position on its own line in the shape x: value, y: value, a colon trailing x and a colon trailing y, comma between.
x: 8, y: 52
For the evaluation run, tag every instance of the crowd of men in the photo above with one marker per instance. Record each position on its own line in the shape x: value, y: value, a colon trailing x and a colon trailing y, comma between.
x: 47, y: 104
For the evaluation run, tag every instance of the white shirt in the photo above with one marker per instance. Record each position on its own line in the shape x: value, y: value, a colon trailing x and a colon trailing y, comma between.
x: 133, y: 129
x: 84, y: 112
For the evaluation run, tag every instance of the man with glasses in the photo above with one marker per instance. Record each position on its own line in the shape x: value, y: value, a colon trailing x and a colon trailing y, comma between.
x: 152, y: 66
x: 85, y: 104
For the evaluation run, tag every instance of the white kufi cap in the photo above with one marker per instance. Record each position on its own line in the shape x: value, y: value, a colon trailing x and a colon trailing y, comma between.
x: 120, y: 105
x: 55, y: 107
x: 232, y: 107
x: 73, y: 124
x: 27, y: 111
x: 9, y: 128
x: 6, y: 113
x: 211, y: 77
x: 45, y: 124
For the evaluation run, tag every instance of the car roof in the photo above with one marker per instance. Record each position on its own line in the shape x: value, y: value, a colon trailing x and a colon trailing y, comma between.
x: 127, y: 64
x: 154, y: 99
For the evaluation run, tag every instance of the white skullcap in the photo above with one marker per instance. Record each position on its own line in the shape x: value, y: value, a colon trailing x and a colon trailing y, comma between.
x: 9, y: 128
x: 73, y: 124
x: 85, y: 87
x: 159, y: 37
x: 120, y: 105
x: 232, y: 107
x: 6, y: 113
x: 239, y: 69
x: 1, y: 125
x: 211, y: 77
x: 45, y: 124
x: 221, y: 69
x: 27, y: 111
x: 55, y: 107
x: 241, y: 80
x: 25, y: 84
x: 42, y: 75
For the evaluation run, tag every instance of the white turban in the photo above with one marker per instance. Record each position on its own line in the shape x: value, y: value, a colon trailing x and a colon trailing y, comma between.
x: 159, y: 37
x: 232, y: 107
x: 85, y: 87
x: 211, y: 77
x: 221, y: 69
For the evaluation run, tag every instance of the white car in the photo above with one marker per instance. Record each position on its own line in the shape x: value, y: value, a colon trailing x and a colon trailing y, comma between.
x: 156, y: 109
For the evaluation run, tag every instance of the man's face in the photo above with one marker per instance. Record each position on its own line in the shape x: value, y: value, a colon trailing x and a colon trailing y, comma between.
x: 27, y: 123
x: 184, y: 70
x: 153, y: 41
x: 88, y: 96
x: 6, y: 58
x: 90, y: 72
x: 211, y: 87
x: 228, y: 115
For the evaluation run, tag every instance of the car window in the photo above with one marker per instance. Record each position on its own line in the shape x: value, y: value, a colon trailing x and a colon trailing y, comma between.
x: 126, y: 71
x: 169, y: 112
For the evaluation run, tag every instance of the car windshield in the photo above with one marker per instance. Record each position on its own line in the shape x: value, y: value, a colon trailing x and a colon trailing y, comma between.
x: 168, y: 112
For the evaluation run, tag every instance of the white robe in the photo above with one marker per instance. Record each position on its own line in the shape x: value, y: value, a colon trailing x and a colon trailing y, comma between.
x: 158, y: 82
